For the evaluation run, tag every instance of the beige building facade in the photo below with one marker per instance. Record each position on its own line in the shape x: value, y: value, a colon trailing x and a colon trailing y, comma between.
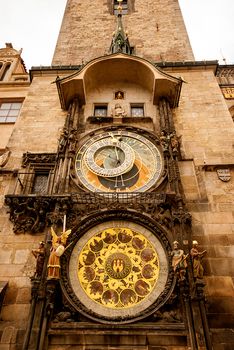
x: 116, y: 187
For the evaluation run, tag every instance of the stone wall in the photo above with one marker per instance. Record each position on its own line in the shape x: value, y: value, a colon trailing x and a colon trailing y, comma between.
x: 207, y: 132
x: 10, y: 92
x: 164, y: 38
x: 41, y: 120
x: 206, y: 129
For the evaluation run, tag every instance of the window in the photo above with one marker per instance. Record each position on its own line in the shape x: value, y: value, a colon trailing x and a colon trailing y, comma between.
x: 137, y: 110
x: 9, y: 111
x: 123, y: 4
x: 100, y: 111
x: 132, y: 50
x: 40, y: 182
x: 4, y: 70
x: 37, y: 176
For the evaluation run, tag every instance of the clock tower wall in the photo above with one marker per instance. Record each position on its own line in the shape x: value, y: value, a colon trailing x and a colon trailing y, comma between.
x: 88, y: 26
x: 115, y: 137
x: 135, y: 99
x: 202, y: 127
x: 41, y: 120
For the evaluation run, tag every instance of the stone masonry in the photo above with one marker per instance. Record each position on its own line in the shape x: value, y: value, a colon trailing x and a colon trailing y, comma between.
x: 156, y: 30
x: 202, y: 122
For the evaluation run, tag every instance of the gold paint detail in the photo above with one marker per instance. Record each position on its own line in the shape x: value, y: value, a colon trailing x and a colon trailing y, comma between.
x: 118, y: 268
x: 118, y: 265
x: 228, y: 92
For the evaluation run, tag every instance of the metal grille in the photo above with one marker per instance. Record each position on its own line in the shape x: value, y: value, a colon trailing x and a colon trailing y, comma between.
x: 107, y: 197
x: 40, y: 184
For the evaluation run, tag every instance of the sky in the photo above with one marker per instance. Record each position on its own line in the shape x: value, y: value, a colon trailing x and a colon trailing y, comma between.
x: 34, y: 26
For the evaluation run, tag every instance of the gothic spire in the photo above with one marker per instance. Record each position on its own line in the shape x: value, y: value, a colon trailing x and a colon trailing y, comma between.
x: 120, y: 42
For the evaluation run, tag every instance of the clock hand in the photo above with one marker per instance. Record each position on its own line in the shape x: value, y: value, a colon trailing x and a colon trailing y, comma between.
x: 109, y: 156
x: 117, y: 156
x: 116, y: 182
x: 122, y: 180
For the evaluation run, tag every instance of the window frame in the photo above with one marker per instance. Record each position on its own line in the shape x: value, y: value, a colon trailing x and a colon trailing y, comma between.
x: 5, y: 118
x: 137, y: 105
x: 43, y: 171
x: 4, y: 70
x: 99, y: 106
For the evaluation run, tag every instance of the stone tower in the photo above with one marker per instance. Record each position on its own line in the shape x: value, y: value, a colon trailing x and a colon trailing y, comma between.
x: 156, y: 29
x: 117, y: 188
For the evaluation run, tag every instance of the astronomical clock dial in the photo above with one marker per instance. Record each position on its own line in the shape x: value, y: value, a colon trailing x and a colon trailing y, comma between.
x: 119, y: 161
x: 118, y: 269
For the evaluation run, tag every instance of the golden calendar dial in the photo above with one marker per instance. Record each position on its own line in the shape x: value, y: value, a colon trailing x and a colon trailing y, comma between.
x: 119, y: 161
x: 118, y: 269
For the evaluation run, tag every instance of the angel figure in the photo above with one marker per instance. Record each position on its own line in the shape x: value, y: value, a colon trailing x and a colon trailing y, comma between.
x: 57, y: 249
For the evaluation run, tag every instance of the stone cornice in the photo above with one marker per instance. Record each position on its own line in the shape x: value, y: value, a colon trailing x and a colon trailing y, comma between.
x: 56, y: 70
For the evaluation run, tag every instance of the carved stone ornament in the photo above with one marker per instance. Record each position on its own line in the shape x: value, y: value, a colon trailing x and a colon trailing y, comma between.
x: 29, y: 214
x: 224, y: 174
x: 32, y: 214
x: 4, y: 158
x: 38, y: 158
x: 182, y: 216
x: 8, y: 51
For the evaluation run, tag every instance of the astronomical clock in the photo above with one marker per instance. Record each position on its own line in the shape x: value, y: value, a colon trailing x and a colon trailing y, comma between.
x: 119, y: 161
x: 118, y: 266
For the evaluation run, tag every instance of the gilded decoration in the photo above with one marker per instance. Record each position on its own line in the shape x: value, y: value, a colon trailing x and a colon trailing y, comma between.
x: 118, y: 267
x: 228, y: 92
x: 118, y: 271
x: 119, y: 161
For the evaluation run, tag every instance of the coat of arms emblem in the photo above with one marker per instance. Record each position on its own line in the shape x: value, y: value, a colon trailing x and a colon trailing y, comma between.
x: 224, y: 174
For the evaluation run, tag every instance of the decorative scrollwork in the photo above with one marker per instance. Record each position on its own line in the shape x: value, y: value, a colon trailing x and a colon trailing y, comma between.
x: 38, y: 158
x: 27, y: 213
x: 34, y: 213
x: 182, y: 216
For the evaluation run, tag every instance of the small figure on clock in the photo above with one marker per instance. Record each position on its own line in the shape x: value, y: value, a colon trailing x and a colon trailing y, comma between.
x: 56, y: 251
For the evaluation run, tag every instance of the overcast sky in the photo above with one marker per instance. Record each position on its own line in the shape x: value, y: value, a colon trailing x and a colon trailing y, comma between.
x: 34, y: 26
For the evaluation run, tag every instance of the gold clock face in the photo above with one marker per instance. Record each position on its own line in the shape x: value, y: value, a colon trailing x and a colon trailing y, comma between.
x: 119, y: 161
x: 118, y: 268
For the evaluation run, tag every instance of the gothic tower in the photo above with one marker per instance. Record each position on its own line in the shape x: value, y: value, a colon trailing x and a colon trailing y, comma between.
x: 117, y: 196
x: 156, y: 29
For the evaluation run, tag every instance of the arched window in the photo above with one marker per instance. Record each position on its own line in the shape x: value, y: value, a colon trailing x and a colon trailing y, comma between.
x: 5, y: 69
x: 231, y: 110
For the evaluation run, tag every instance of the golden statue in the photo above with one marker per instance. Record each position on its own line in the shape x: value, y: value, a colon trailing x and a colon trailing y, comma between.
x: 56, y: 251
